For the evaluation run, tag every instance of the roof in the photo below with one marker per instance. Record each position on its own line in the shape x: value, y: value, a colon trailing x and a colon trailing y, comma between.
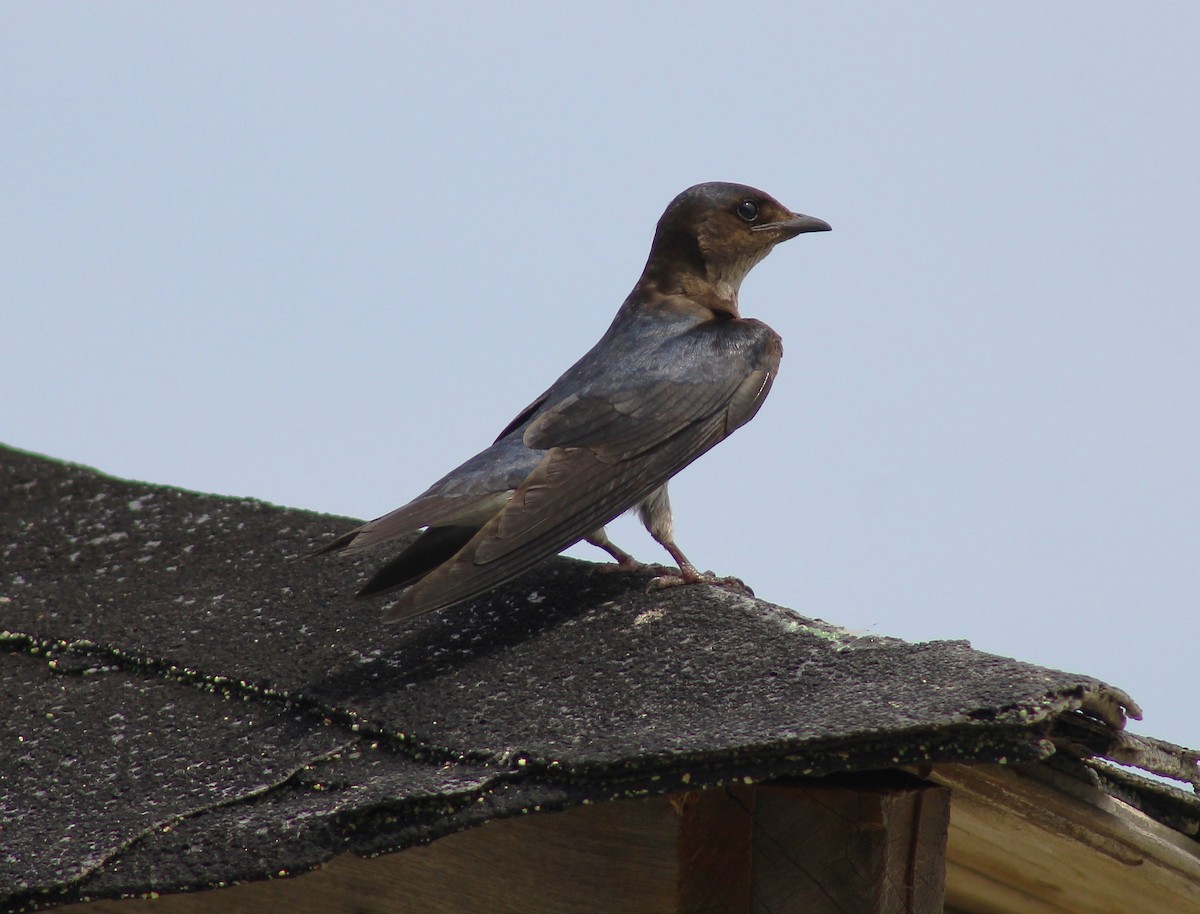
x: 187, y: 705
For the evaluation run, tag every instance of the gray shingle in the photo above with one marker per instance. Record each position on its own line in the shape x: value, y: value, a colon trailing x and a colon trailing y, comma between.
x: 186, y: 706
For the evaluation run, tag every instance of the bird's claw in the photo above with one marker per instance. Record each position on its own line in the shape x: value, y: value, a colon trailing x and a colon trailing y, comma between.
x: 692, y: 576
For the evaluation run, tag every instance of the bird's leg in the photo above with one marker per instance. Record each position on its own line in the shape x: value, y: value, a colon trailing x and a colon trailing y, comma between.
x: 625, y: 561
x: 687, y: 571
x: 655, y: 511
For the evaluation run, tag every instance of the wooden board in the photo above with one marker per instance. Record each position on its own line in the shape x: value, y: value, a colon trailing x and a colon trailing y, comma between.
x: 1029, y: 840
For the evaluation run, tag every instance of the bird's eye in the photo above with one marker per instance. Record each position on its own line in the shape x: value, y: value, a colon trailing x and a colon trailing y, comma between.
x: 747, y: 210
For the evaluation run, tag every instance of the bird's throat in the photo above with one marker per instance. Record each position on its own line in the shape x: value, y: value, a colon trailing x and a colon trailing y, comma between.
x: 720, y: 297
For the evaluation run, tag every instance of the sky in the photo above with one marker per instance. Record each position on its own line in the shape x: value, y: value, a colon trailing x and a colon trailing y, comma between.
x: 319, y: 254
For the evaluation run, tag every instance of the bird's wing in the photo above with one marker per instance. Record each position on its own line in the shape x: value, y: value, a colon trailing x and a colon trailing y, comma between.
x: 603, y: 454
x: 421, y: 512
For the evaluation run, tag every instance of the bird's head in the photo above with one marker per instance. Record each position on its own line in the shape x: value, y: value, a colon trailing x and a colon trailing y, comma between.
x: 711, y: 235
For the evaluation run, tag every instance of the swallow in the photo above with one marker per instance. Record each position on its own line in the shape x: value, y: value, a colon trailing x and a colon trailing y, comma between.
x: 678, y: 370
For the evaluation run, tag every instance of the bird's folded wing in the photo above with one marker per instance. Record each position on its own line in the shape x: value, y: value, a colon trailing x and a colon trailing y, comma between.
x: 621, y: 424
x: 604, y: 454
x: 421, y: 512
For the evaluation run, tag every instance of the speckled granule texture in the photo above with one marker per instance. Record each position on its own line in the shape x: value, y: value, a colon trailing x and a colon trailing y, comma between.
x: 186, y: 705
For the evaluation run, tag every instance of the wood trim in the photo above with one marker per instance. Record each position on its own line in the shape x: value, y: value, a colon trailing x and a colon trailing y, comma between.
x: 1029, y: 840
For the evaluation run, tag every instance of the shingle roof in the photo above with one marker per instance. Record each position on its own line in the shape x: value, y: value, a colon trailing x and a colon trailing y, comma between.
x: 187, y: 706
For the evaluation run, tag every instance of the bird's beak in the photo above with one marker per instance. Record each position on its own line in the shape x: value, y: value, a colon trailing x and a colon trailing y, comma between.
x: 798, y: 224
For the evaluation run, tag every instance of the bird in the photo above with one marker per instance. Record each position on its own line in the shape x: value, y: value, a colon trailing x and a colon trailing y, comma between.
x: 677, y: 371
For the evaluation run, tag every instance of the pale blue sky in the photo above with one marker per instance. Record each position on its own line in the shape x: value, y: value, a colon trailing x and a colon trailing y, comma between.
x: 319, y: 254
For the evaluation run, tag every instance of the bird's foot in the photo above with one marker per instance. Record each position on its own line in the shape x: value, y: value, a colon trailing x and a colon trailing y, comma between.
x: 690, y: 575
